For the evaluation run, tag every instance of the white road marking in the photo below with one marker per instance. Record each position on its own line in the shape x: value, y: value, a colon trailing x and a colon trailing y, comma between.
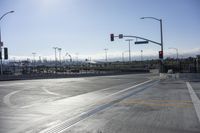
x: 195, y: 100
x: 6, y: 99
x: 129, y: 88
x: 54, y: 127
x: 53, y: 123
x: 28, y: 106
x: 49, y: 92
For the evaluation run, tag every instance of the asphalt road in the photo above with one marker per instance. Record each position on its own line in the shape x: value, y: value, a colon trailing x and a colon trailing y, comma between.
x: 138, y: 103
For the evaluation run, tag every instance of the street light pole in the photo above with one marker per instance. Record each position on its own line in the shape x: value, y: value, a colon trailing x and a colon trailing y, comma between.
x: 69, y: 56
x: 161, y: 39
x: 129, y: 42
x: 34, y: 54
x: 1, y: 43
x: 55, y: 48
x: 106, y: 57
x: 59, y: 50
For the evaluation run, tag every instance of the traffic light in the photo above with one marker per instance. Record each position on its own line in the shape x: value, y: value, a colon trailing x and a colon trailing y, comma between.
x: 111, y: 37
x: 5, y: 53
x: 0, y: 54
x: 160, y: 54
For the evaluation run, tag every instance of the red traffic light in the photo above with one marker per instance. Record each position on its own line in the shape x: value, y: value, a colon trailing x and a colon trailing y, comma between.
x: 111, y: 37
x: 160, y: 54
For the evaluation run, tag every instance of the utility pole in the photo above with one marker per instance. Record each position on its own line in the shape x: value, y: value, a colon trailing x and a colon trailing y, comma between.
x: 106, y: 56
x: 129, y: 42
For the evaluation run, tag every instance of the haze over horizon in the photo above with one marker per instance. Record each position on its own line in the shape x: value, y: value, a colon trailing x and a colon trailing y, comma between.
x: 84, y: 27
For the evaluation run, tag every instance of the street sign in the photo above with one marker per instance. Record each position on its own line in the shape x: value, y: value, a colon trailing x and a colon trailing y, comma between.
x: 111, y: 37
x: 120, y: 36
x: 141, y: 42
x: 160, y: 54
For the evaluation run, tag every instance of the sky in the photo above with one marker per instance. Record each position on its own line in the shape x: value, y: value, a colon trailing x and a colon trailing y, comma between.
x: 82, y: 27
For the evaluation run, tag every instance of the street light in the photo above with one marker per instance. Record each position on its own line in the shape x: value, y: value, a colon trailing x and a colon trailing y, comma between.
x: 34, y: 54
x: 106, y: 56
x: 129, y: 40
x: 161, y: 36
x: 59, y: 50
x: 69, y: 56
x: 55, y: 48
x: 1, y: 43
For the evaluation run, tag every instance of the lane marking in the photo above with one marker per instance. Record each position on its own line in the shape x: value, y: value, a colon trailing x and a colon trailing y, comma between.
x: 50, y: 92
x: 195, y: 99
x: 129, y: 88
x: 63, y: 126
x: 30, y: 105
x: 167, y: 103
x: 113, y: 87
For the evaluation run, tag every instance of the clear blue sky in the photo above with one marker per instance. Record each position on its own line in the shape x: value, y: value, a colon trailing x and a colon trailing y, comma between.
x: 83, y: 26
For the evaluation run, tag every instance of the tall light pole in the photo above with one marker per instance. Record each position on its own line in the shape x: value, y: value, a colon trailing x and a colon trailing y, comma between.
x: 161, y: 38
x: 55, y: 48
x: 1, y: 43
x: 34, y: 54
x: 129, y: 42
x: 69, y: 56
x: 59, y: 50
x: 106, y: 56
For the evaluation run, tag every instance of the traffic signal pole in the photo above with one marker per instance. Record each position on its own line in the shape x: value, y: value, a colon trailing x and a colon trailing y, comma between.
x: 145, y: 40
x: 161, y: 37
